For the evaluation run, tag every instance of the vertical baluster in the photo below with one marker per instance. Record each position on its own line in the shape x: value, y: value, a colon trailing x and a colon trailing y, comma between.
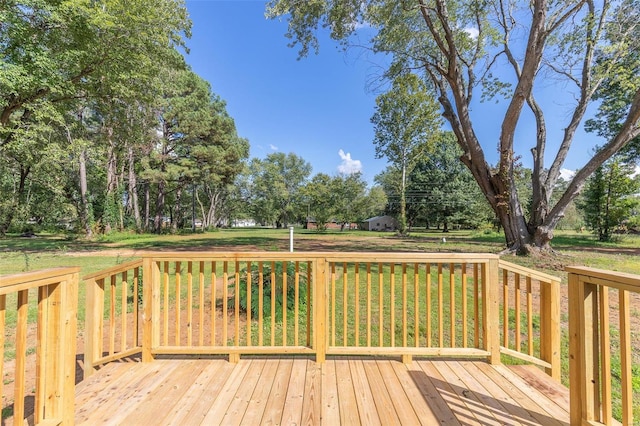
x: 165, y: 279
x: 123, y: 331
x: 452, y: 304
x: 333, y: 304
x: 21, y: 353
x: 505, y: 308
x: 517, y: 313
x: 529, y: 317
x: 214, y: 307
x: 380, y: 306
x: 112, y: 316
x: 625, y: 358
x: 416, y: 305
x: 201, y: 303
x: 465, y: 312
x: 357, y: 302
x: 189, y: 303
x: 178, y: 324
x: 476, y: 307
x: 136, y: 297
x: 345, y: 311
x: 273, y: 303
x: 392, y: 303
x: 260, y: 302
x: 236, y: 306
x: 225, y: 301
x: 249, y: 307
x: 296, y: 303
x: 605, y: 353
x: 285, y: 266
x: 440, y: 307
x: 368, y: 304
x: 404, y: 305
x: 3, y: 316
x: 428, y: 299
x: 309, y: 310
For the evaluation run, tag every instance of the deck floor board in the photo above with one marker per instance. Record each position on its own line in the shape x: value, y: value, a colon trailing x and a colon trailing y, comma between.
x: 290, y: 390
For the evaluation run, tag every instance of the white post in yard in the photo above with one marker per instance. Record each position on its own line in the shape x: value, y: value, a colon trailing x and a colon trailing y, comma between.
x: 291, y: 239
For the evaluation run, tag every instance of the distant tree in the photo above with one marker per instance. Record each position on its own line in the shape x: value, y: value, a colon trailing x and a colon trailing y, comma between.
x: 351, y: 198
x: 274, y: 187
x: 609, y: 198
x: 441, y: 190
x: 320, y: 199
x: 405, y: 120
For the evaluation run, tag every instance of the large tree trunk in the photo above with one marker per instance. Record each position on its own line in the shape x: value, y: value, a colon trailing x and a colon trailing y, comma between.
x: 159, y: 207
x: 85, y: 219
x: 133, y: 190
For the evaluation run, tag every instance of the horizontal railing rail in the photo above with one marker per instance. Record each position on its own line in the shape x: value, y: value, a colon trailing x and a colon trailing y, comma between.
x: 55, y: 309
x: 115, y: 332
x: 600, y: 353
x: 530, y: 316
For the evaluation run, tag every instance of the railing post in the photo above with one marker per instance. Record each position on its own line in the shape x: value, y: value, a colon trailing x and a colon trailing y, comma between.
x: 582, y: 377
x: 491, y: 306
x: 57, y: 307
x: 151, y: 308
x: 320, y: 309
x: 550, y: 327
x: 94, y: 317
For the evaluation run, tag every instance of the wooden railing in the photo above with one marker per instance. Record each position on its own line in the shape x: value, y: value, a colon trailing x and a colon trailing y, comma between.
x: 55, y: 322
x: 596, y: 296
x: 120, y: 286
x: 530, y: 316
x: 400, y: 304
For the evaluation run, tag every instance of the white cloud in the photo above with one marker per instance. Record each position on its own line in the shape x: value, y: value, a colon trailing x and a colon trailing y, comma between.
x: 472, y: 32
x: 273, y: 147
x: 349, y: 165
x: 567, y: 174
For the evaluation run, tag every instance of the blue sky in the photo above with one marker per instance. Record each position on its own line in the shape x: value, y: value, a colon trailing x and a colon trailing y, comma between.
x: 319, y: 107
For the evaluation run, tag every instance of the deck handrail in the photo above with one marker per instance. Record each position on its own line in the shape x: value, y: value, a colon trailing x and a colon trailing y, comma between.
x: 590, y: 344
x: 55, y: 345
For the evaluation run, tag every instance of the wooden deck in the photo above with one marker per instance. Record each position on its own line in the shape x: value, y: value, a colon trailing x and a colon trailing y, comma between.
x: 367, y: 391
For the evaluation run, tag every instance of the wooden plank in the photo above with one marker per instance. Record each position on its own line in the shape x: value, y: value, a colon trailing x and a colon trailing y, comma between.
x: 21, y: 355
x: 416, y: 398
x: 605, y: 353
x: 467, y: 399
x: 238, y: 405
x: 553, y: 390
x: 346, y: 394
x: 384, y: 401
x: 126, y: 397
x: 166, y: 395
x: 403, y: 406
x: 364, y: 398
x: 256, y: 406
x: 312, y: 405
x: 431, y: 394
x: 520, y: 395
x: 471, y: 383
x: 279, y: 397
x: 203, y: 386
x: 209, y: 385
x: 330, y: 413
x: 542, y: 399
x: 226, y: 393
x: 510, y: 405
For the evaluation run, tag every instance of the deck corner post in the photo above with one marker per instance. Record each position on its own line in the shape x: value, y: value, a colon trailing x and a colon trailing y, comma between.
x: 550, y: 340
x: 320, y: 309
x: 491, y: 311
x: 151, y: 308
x: 582, y: 303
